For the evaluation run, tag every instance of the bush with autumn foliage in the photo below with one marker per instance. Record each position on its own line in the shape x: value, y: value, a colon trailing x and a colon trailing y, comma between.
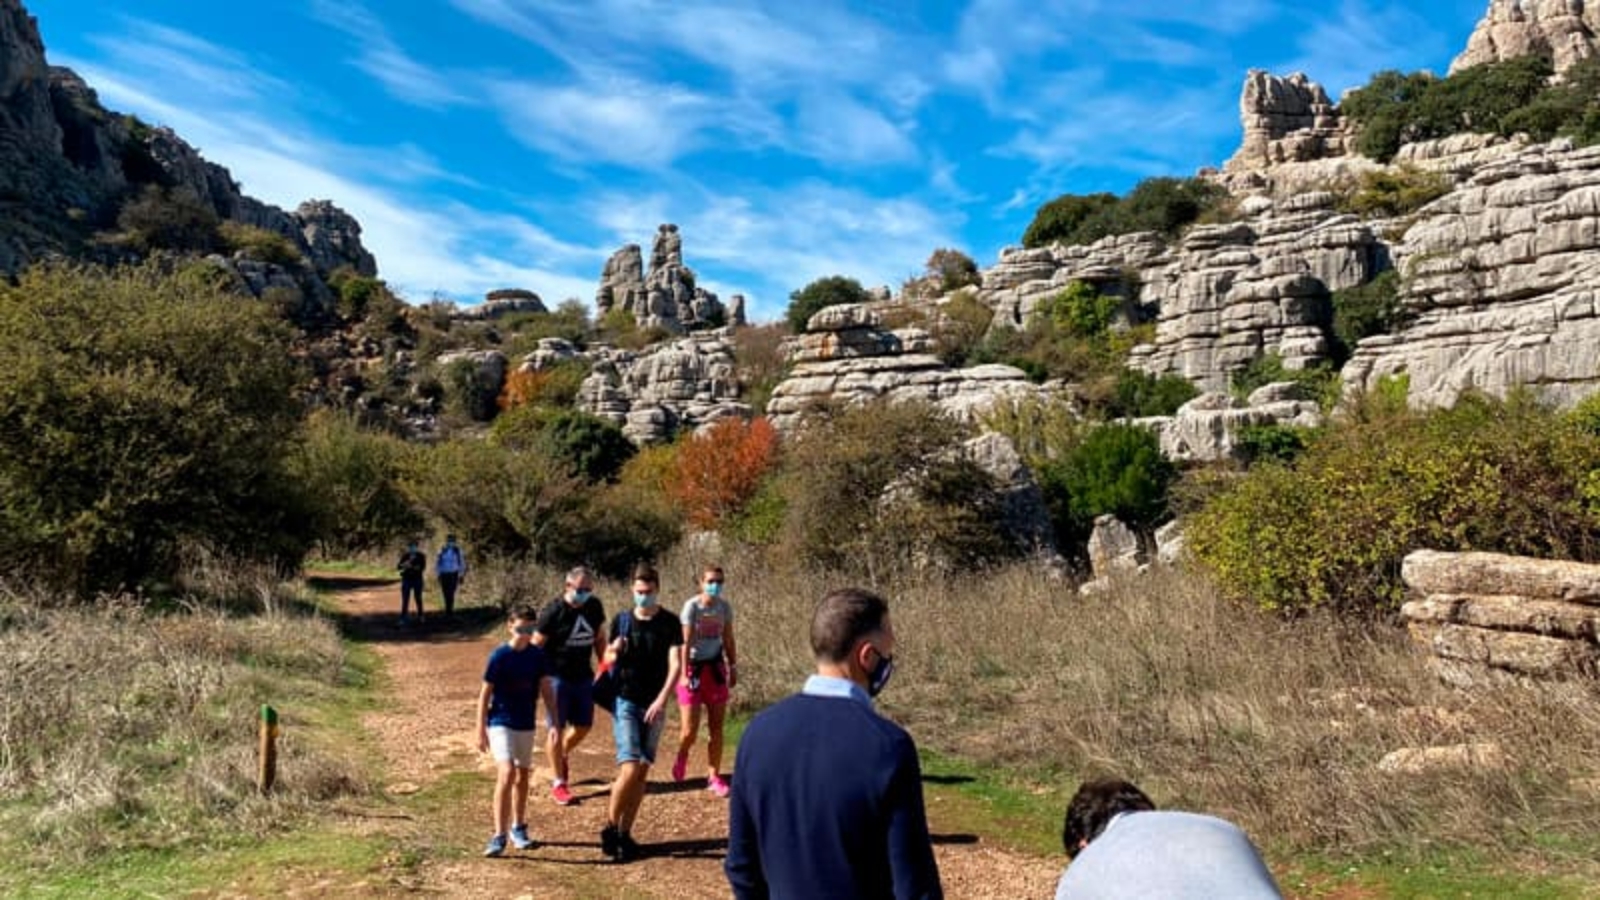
x: 716, y: 473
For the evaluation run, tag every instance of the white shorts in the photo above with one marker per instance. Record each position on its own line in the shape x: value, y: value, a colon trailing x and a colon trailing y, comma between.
x: 515, y: 747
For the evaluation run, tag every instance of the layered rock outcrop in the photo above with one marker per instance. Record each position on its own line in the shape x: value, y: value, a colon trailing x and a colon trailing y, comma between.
x: 501, y: 303
x: 1225, y: 294
x: 1500, y: 278
x: 1565, y: 31
x: 846, y: 357
x: 1287, y: 119
x: 666, y: 296
x: 1486, y: 616
x: 684, y: 384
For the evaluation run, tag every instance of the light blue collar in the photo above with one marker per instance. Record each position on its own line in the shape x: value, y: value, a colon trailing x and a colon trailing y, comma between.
x: 836, y: 688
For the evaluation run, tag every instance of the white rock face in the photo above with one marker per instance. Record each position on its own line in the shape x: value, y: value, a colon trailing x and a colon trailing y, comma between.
x: 1562, y: 30
x: 686, y: 383
x: 1502, y: 277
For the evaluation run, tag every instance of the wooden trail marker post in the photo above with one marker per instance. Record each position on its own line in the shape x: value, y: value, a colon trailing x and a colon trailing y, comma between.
x: 268, y: 773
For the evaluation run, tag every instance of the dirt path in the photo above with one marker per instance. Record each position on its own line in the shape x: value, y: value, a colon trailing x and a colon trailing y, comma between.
x: 427, y: 734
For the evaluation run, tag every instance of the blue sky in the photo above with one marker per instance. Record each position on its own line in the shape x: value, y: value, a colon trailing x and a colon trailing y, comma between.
x: 517, y: 143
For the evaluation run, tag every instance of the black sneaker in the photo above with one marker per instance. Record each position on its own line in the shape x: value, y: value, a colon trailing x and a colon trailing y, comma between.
x: 628, y: 849
x: 609, y: 843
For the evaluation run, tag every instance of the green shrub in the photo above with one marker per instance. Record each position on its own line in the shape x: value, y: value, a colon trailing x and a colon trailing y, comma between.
x: 1332, y: 530
x: 140, y: 408
x: 1139, y: 394
x: 1064, y: 219
x: 1080, y: 310
x: 1320, y: 383
x: 951, y: 270
x: 1492, y: 98
x: 1273, y: 443
x: 161, y: 218
x: 352, y: 477
x: 853, y: 479
x: 1163, y: 205
x: 1398, y: 191
x: 1116, y: 469
x: 831, y: 290
x: 1366, y: 310
x: 959, y: 326
x: 259, y: 244
x: 593, y: 448
x: 499, y: 499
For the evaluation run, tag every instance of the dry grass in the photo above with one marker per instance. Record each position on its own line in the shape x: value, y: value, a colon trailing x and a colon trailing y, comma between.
x: 1277, y: 725
x: 121, y: 727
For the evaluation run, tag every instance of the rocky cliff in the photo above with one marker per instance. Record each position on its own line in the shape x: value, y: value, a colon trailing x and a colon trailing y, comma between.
x: 68, y: 165
x: 1563, y: 30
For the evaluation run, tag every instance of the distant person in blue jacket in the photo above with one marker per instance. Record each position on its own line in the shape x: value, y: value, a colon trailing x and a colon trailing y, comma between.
x: 451, y: 567
x: 827, y: 794
x: 1121, y: 846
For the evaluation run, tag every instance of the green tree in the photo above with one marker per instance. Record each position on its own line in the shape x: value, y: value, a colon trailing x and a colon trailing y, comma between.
x: 593, y: 448
x: 952, y: 270
x: 1116, y: 469
x: 141, y: 408
x: 1061, y: 220
x: 162, y: 218
x: 1138, y: 394
x: 352, y: 477
x: 831, y: 290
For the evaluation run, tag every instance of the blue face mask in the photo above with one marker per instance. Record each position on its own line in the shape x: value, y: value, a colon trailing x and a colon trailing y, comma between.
x: 644, y: 601
x: 581, y: 596
x: 713, y: 589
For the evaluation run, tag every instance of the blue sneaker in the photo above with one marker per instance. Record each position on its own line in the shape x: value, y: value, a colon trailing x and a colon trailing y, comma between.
x: 497, y: 846
x: 520, y: 839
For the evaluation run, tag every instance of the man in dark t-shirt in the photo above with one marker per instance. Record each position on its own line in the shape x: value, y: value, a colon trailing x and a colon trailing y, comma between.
x: 571, y: 631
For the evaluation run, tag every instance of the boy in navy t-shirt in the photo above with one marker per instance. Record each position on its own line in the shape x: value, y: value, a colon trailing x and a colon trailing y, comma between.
x: 513, y: 681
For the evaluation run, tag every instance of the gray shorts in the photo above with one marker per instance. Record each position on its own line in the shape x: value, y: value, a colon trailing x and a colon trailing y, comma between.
x: 515, y: 747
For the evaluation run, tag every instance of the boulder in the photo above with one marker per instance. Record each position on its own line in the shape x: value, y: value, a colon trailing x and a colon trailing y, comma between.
x: 1563, y: 31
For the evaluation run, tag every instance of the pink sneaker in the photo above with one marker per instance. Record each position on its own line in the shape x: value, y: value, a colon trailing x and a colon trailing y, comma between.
x: 680, y: 766
x: 718, y: 786
x: 561, y: 795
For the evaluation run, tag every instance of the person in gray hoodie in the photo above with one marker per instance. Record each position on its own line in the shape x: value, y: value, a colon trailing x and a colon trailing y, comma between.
x: 1122, y: 846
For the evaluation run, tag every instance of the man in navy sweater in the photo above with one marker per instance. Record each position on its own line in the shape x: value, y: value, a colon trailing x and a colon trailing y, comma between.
x: 827, y: 794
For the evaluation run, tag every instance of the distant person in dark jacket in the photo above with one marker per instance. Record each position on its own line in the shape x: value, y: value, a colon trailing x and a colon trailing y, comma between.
x: 1121, y: 846
x: 412, y: 566
x: 451, y: 567
x: 827, y: 794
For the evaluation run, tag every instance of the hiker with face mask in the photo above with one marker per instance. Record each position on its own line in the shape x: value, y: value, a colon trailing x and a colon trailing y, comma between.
x: 411, y: 566
x: 827, y: 794
x: 643, y: 656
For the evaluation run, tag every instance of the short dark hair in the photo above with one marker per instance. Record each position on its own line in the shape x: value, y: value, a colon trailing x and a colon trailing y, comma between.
x: 843, y: 618
x: 1093, y: 807
x: 646, y: 572
x: 525, y: 612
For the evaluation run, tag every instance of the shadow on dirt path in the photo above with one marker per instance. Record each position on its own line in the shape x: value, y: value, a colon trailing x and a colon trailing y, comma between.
x: 426, y: 734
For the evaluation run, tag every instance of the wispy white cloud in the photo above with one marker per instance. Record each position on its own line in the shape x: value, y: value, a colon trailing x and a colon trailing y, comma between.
x: 378, y: 55
x: 185, y: 58
x: 1344, y: 50
x: 618, y: 120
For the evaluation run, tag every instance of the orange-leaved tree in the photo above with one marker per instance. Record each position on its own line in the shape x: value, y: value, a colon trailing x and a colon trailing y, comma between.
x: 718, y: 471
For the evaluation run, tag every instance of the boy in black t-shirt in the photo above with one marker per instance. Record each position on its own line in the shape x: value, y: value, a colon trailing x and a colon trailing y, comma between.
x: 571, y: 630
x: 646, y: 661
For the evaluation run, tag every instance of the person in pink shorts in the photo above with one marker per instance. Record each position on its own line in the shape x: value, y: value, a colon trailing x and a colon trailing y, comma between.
x: 709, y: 670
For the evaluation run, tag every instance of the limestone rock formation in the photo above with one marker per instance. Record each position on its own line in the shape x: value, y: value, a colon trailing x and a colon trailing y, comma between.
x: 500, y: 303
x: 683, y: 384
x: 485, y: 378
x: 1287, y: 119
x: 1564, y: 31
x: 1226, y: 294
x: 1027, y: 518
x: 666, y: 296
x: 332, y: 238
x: 846, y: 358
x: 1207, y: 428
x: 1500, y: 278
x: 1486, y: 615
